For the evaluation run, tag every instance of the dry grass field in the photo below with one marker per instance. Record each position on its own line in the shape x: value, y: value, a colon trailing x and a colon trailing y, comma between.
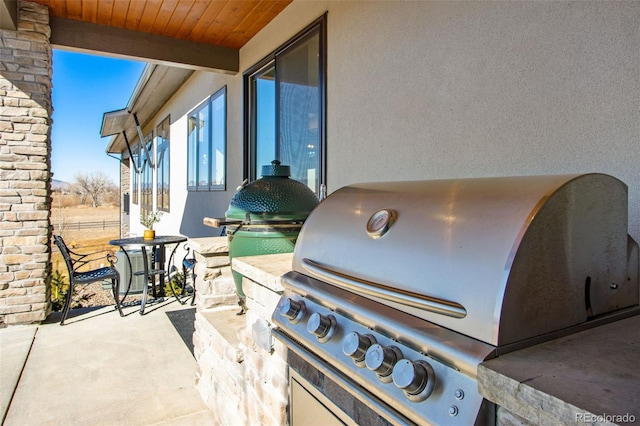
x: 67, y: 214
x: 66, y: 218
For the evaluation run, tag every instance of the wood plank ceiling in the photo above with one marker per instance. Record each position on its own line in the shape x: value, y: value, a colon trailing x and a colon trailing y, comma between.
x: 226, y: 23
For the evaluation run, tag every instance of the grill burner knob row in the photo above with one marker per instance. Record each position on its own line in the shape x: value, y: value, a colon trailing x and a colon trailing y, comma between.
x: 355, y: 345
x: 381, y: 359
x: 322, y: 326
x: 416, y: 379
x: 292, y: 310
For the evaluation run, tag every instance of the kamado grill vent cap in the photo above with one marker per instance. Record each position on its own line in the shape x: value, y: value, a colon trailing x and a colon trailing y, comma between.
x: 274, y: 197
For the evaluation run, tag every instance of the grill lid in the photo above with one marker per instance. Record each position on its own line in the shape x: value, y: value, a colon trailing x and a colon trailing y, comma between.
x: 274, y: 197
x: 498, y: 259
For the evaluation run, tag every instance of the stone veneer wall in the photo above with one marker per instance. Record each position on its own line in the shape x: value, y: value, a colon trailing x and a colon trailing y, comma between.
x: 25, y: 157
x: 240, y: 376
x: 505, y: 417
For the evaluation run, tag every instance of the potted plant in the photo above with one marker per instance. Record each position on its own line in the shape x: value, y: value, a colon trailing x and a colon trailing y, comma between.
x: 148, y: 222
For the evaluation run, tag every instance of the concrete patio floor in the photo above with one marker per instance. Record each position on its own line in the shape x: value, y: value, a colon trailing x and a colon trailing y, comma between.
x: 100, y: 369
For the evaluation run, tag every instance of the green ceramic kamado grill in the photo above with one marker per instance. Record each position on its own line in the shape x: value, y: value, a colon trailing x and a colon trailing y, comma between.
x: 265, y: 216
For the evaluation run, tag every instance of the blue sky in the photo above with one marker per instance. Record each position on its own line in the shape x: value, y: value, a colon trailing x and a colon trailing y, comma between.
x: 85, y: 87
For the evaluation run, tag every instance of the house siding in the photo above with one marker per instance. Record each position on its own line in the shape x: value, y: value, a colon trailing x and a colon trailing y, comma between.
x: 435, y: 90
x: 454, y: 89
x: 189, y: 208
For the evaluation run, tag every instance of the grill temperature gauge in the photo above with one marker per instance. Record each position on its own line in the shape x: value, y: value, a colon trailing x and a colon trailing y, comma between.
x: 380, y: 222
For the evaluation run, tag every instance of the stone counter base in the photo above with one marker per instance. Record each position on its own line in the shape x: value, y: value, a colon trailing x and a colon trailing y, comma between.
x: 239, y: 382
x: 241, y: 375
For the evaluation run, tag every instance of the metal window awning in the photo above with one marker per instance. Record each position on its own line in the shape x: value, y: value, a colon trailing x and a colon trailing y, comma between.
x: 114, y: 121
x: 154, y: 88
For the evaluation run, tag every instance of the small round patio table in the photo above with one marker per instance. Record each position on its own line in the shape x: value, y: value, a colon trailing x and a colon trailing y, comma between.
x: 158, y: 267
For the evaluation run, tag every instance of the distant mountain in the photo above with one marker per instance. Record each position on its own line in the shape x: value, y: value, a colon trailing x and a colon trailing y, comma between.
x: 59, y: 185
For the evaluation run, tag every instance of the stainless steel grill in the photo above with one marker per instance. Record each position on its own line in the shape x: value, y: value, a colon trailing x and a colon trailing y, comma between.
x: 400, y: 290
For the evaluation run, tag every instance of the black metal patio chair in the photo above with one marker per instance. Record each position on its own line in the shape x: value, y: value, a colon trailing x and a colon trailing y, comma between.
x: 189, y: 265
x: 75, y: 262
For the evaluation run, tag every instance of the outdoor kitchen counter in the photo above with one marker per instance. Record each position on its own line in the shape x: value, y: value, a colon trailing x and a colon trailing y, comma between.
x: 574, y: 379
x: 586, y: 374
x: 266, y: 270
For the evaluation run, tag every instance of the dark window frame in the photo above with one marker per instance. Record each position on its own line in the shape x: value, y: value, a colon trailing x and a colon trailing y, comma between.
x: 208, y: 103
x: 250, y: 169
x: 163, y: 157
x: 135, y: 177
x: 147, y: 172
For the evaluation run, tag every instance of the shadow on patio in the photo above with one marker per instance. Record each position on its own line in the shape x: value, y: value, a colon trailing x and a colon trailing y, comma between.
x: 100, y: 369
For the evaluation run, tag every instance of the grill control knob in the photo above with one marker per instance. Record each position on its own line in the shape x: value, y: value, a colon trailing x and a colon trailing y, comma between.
x: 381, y: 360
x: 322, y: 326
x: 355, y: 345
x: 415, y: 378
x: 292, y: 310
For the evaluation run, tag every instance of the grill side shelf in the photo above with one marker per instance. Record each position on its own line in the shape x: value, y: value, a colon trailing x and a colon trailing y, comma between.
x: 357, y: 285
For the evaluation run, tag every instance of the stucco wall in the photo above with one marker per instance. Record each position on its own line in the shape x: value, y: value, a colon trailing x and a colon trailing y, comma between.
x: 187, y: 209
x: 428, y: 90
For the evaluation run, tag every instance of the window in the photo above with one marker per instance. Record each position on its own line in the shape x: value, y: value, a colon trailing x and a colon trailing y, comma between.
x: 285, y: 108
x: 207, y: 142
x: 134, y: 177
x: 146, y: 176
x: 162, y: 149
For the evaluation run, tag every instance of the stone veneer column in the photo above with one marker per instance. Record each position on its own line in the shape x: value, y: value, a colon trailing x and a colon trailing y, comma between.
x: 25, y: 158
x: 214, y: 282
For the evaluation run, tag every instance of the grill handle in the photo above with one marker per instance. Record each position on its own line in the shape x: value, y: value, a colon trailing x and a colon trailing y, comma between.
x: 359, y: 286
x: 217, y: 223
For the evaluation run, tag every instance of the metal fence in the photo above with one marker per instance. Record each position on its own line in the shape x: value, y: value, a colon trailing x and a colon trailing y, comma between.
x: 100, y: 224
